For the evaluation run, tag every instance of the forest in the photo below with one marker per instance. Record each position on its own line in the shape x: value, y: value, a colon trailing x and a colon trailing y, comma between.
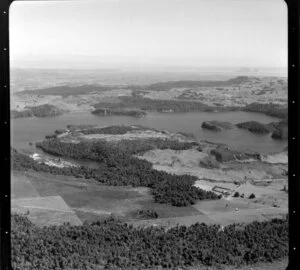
x: 271, y: 109
x: 112, y: 244
x: 130, y: 112
x: 134, y: 146
x: 117, y: 167
x: 113, y: 130
x: 21, y: 114
x: 157, y: 105
x: 279, y: 129
x: 255, y: 127
x: 44, y: 110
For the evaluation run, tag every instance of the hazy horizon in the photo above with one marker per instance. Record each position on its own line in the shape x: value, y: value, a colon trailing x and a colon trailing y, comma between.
x: 140, y: 34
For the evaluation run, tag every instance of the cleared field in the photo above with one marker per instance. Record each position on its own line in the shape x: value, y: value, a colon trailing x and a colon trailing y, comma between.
x: 241, y: 216
x: 276, y: 200
x: 190, y: 162
x: 168, y: 211
x: 42, y: 209
x: 105, y: 202
x: 203, y: 185
x: 276, y: 158
x: 47, y: 217
x: 237, y: 210
x: 128, y: 136
x: 265, y: 180
x: 46, y: 210
x: 21, y: 187
x: 171, y: 222
x: 186, y: 158
x: 271, y: 195
x: 268, y: 186
x: 52, y: 185
x: 55, y: 203
x: 225, y: 206
x: 88, y: 216
x: 91, y: 201
x: 222, y: 212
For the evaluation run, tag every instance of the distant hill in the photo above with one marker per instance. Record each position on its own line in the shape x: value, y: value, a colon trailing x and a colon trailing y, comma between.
x: 193, y: 84
x: 66, y: 90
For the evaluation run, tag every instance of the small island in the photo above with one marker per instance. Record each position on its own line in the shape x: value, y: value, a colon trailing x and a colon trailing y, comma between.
x: 255, y: 127
x: 279, y: 129
x: 216, y: 125
x: 126, y: 112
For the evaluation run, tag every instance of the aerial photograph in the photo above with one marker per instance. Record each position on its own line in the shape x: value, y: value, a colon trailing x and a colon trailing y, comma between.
x: 149, y: 135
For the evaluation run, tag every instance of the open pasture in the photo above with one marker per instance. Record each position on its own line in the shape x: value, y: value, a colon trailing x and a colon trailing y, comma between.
x: 217, y: 212
x: 52, y: 185
x: 21, y: 187
x: 42, y: 211
x: 171, y: 222
x: 75, y: 200
x: 248, y: 215
x: 104, y: 202
x: 225, y: 206
x: 168, y: 211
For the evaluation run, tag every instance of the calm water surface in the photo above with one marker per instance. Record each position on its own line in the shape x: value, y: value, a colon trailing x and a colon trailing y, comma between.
x: 34, y: 129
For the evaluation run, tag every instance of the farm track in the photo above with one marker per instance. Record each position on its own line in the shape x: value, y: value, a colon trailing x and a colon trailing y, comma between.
x: 45, y: 208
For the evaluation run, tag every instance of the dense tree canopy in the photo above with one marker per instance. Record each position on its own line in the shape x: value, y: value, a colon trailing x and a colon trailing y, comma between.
x: 43, y: 110
x: 111, y: 244
x: 271, y: 109
x: 255, y: 127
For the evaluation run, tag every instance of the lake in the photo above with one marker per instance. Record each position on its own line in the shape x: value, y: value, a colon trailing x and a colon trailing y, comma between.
x: 25, y: 130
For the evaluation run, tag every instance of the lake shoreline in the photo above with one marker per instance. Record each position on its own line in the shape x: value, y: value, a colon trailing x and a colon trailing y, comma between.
x: 28, y: 130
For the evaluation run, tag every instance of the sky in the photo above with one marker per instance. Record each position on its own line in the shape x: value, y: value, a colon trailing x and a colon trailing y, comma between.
x: 148, y: 33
